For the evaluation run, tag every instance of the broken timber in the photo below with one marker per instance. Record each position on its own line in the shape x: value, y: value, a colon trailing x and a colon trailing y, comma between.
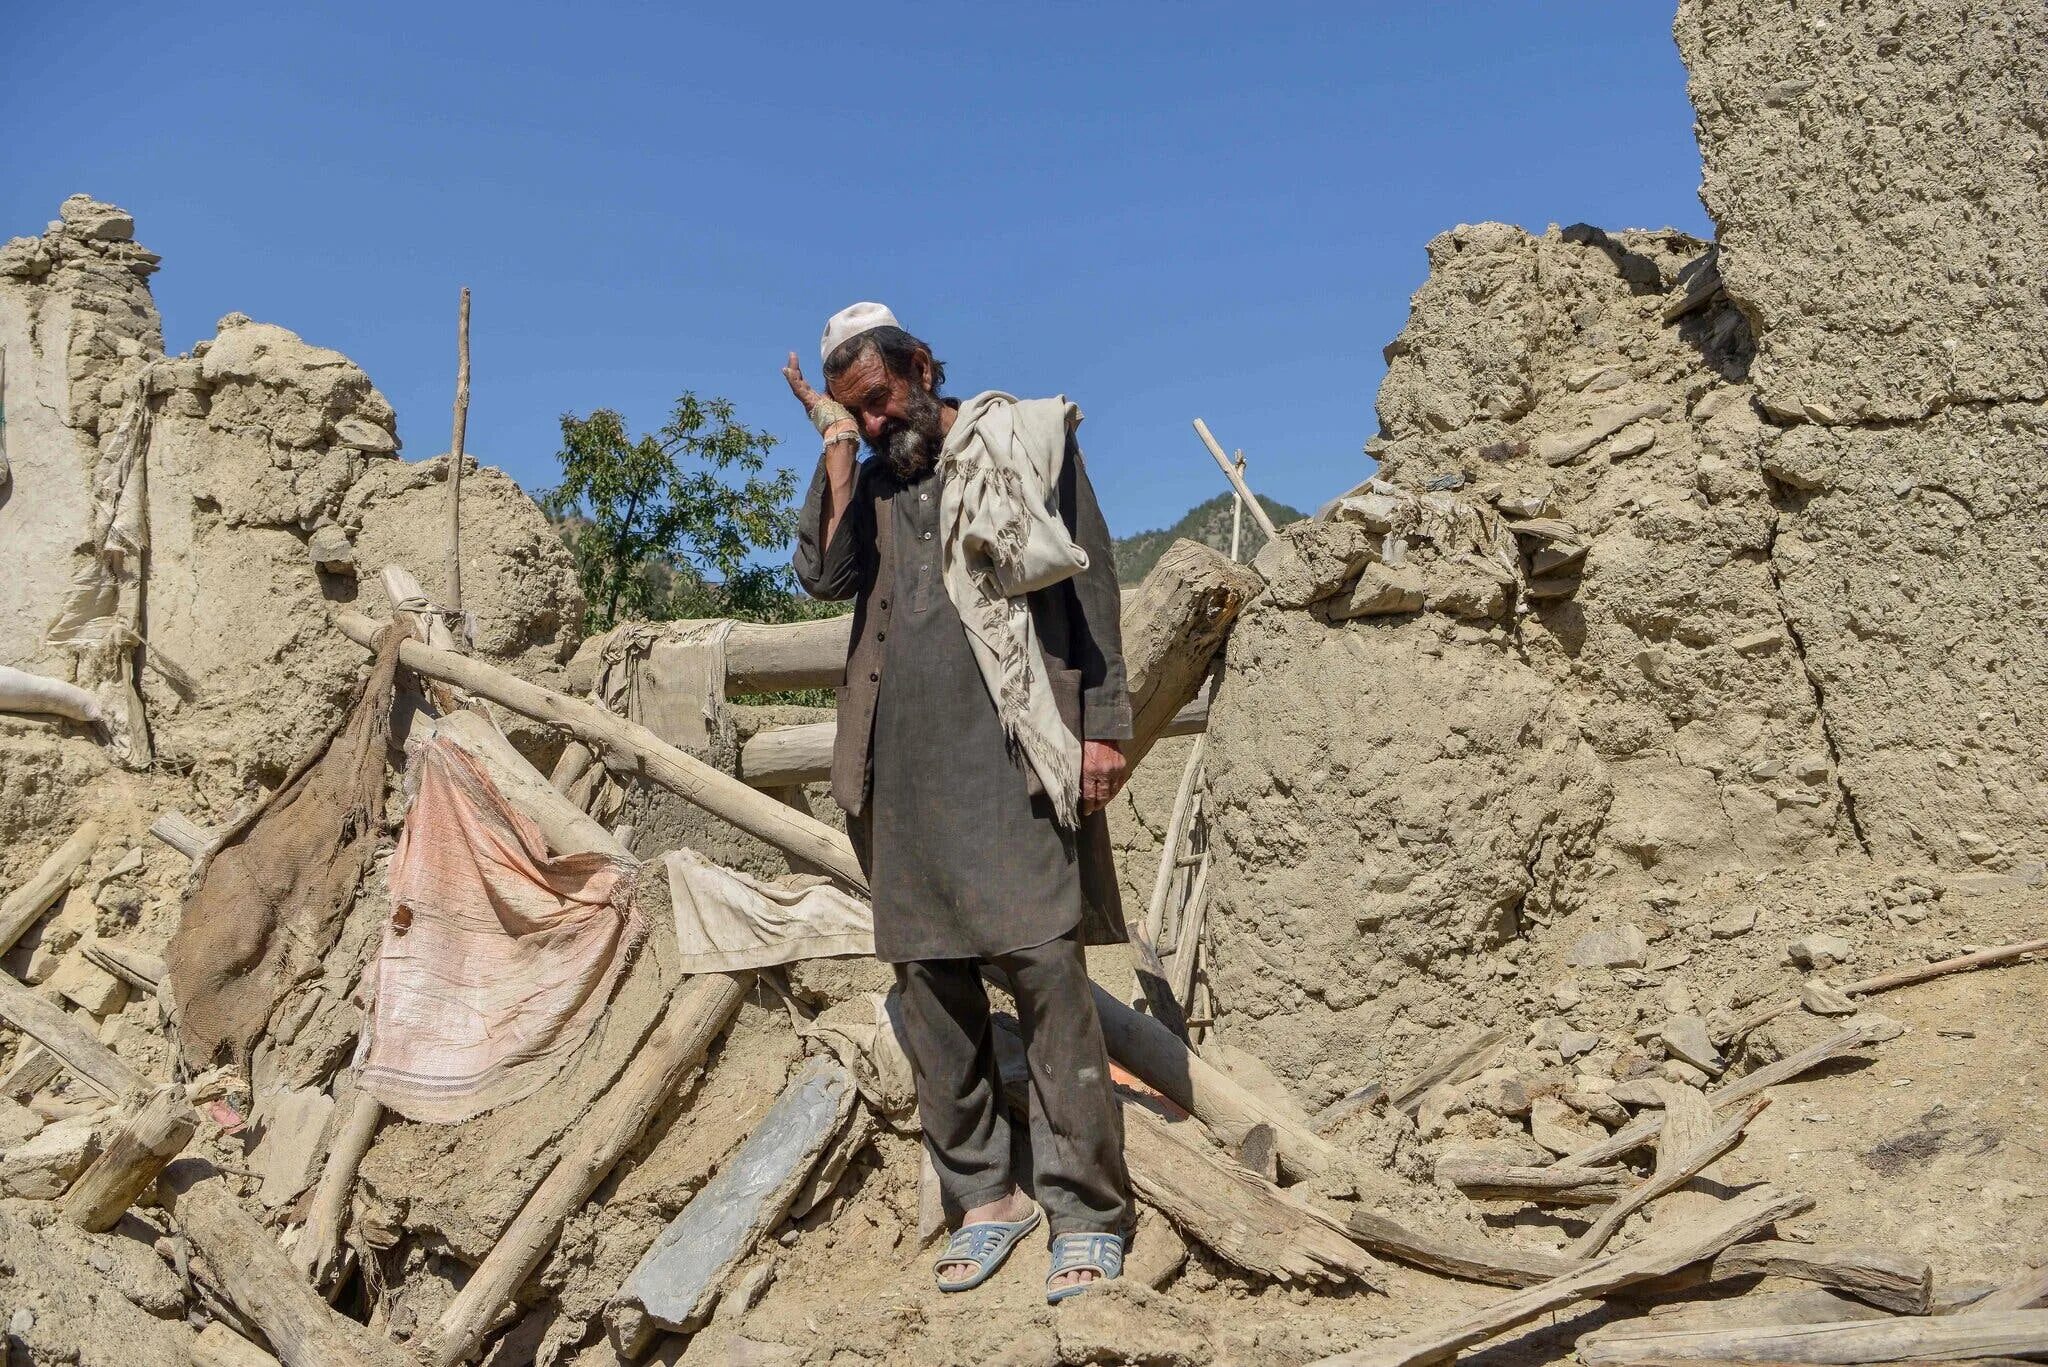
x: 679, y: 1279
x: 259, y: 1282
x: 1483, y: 1180
x: 27, y: 903
x: 1748, y: 1214
x: 156, y: 1125
x: 1978, y: 1334
x: 1669, y: 1177
x: 1889, y: 1280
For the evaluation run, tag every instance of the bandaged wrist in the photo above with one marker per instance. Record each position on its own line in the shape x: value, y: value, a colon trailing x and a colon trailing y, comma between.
x: 826, y: 412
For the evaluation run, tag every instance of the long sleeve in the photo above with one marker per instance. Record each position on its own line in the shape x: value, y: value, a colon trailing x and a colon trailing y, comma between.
x: 836, y: 571
x: 1105, y: 691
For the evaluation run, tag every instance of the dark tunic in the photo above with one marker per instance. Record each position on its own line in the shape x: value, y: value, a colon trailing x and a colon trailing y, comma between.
x: 964, y: 858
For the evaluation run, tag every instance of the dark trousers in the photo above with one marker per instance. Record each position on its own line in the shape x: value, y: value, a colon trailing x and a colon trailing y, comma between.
x: 1077, y: 1134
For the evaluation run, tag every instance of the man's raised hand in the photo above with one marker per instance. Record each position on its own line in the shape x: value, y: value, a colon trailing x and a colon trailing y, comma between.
x: 799, y: 386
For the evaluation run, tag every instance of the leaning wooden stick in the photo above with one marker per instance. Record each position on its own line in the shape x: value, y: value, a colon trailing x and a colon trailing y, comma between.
x: 1236, y: 478
x: 1669, y: 1177
x: 319, y: 1245
x: 455, y: 454
x: 684, y: 774
x: 51, y: 1026
x: 1899, y: 977
x: 27, y: 903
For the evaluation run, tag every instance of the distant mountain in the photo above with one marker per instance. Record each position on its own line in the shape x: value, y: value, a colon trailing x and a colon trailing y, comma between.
x: 1208, y: 523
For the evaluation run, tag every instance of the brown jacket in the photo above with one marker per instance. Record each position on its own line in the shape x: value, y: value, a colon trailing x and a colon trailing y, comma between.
x: 1078, y: 629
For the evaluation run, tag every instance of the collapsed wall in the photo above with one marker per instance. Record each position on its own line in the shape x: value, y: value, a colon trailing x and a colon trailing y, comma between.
x: 1777, y: 601
x: 270, y: 491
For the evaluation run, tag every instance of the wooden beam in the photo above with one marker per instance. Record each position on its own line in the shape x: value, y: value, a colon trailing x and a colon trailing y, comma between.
x: 455, y: 441
x: 1742, y: 1218
x: 681, y: 773
x: 184, y: 835
x: 319, y: 1245
x: 52, y: 878
x: 763, y: 658
x: 1236, y: 477
x: 1885, y: 1278
x: 1165, y: 1062
x: 155, y: 1127
x: 1979, y: 1334
x: 1462, y: 1061
x: 1471, y: 1256
x: 1173, y: 625
x: 1486, y: 1180
x: 783, y: 755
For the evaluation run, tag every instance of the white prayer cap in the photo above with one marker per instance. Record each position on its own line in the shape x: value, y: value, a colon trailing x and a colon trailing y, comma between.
x: 850, y: 322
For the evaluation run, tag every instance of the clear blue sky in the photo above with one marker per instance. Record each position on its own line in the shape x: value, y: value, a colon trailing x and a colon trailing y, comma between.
x: 1162, y: 211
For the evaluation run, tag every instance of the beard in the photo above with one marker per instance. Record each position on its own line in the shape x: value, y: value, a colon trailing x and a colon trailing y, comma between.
x: 910, y: 446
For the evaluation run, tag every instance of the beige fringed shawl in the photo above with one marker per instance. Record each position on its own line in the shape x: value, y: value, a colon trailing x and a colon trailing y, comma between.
x: 1002, y: 539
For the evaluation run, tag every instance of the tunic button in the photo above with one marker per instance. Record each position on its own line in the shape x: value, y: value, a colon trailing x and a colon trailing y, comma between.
x: 874, y: 678
x: 924, y: 498
x: 885, y: 605
x: 925, y: 537
x: 881, y: 636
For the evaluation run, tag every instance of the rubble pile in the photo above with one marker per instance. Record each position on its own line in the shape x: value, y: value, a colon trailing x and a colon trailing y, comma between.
x: 1600, y: 885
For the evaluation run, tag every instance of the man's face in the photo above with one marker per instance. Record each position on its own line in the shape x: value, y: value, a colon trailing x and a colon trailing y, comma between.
x: 899, y: 416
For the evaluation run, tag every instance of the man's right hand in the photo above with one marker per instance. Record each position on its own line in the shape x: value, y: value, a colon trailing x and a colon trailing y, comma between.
x: 799, y: 386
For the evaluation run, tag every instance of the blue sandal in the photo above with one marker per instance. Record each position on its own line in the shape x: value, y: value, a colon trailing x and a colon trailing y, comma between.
x: 1102, y: 1254
x: 984, y: 1243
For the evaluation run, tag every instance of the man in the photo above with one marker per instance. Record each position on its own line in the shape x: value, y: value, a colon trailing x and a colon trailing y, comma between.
x: 980, y: 737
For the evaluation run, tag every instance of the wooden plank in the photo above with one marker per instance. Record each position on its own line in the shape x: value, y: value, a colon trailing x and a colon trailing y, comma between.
x: 132, y: 966
x: 2009, y: 1333
x: 35, y: 1069
x: 1669, y: 1177
x: 258, y: 1281
x: 1483, y: 1180
x: 319, y: 1247
x: 654, y: 759
x: 52, y: 878
x: 1742, y: 1218
x: 1243, y: 1218
x: 696, y: 1017
x: 679, y: 1279
x: 155, y: 1126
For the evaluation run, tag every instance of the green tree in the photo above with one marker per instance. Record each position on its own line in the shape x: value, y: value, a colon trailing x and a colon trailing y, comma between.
x: 663, y: 526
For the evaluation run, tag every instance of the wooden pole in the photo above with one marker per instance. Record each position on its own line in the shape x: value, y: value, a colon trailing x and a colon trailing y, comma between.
x: 1965, y: 1337
x: 320, y: 1239
x: 696, y: 1017
x: 455, y: 454
x: 1236, y: 478
x: 1237, y: 512
x: 155, y: 1128
x: 684, y: 774
x: 1163, y: 1061
x: 27, y: 903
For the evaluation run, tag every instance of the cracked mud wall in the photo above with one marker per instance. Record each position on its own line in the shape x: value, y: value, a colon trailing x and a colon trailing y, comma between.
x: 1880, y: 183
x: 1806, y: 463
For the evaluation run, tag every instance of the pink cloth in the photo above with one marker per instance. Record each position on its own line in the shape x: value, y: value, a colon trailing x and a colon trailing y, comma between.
x: 498, y: 957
